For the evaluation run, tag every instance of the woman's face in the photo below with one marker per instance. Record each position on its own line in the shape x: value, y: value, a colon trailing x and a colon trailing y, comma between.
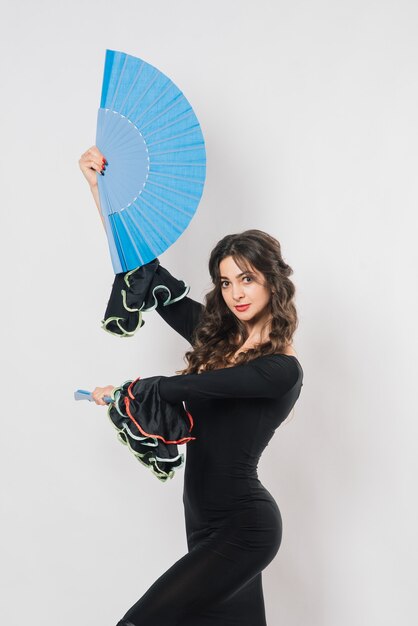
x: 240, y: 288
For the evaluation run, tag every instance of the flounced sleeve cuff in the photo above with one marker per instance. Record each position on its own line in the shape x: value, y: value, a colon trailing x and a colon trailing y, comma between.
x: 140, y: 291
x: 151, y: 427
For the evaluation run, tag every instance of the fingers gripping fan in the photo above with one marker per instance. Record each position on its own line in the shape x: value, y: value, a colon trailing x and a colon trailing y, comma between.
x: 155, y: 151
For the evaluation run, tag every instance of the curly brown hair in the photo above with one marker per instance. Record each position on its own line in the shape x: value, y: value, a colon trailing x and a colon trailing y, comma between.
x: 220, y: 333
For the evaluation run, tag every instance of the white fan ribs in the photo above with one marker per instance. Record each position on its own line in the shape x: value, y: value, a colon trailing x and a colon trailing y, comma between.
x: 156, y: 161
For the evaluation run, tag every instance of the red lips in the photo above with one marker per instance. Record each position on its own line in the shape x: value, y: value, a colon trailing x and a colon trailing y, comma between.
x: 242, y: 307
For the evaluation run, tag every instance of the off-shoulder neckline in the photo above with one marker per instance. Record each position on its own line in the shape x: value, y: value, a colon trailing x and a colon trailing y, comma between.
x: 291, y: 356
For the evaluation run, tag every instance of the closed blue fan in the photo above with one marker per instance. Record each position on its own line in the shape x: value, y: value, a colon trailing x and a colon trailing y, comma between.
x: 156, y: 157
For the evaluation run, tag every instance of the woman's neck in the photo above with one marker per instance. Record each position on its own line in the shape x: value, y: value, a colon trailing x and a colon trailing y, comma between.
x: 259, y: 331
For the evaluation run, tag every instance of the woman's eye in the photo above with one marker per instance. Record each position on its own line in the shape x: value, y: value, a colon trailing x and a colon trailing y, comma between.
x: 249, y: 277
x: 222, y: 282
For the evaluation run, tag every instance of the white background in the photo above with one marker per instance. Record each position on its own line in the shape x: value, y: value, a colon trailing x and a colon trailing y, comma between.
x: 309, y: 112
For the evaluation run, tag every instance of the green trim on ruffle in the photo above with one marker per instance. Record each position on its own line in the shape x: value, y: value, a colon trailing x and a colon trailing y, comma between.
x: 148, y: 458
x: 152, y: 461
x: 124, y: 333
x: 118, y: 320
x: 169, y: 300
x: 153, y: 443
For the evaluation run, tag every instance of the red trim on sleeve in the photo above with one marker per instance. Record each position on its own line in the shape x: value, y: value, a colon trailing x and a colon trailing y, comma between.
x: 179, y: 441
x: 189, y: 415
x: 132, y: 397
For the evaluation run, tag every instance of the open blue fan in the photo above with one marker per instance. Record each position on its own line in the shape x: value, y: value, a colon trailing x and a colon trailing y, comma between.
x: 155, y: 151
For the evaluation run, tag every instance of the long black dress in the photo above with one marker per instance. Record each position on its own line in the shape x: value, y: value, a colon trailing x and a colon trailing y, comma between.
x: 233, y: 524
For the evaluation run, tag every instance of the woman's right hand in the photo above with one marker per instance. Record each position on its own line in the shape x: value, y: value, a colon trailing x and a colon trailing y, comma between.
x: 92, y: 161
x: 100, y: 392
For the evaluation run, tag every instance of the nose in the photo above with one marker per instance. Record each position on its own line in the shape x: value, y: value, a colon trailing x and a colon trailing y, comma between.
x: 237, y: 293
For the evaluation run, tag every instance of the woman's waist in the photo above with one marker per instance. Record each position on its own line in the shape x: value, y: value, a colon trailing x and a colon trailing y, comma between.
x: 220, y: 489
x: 221, y: 465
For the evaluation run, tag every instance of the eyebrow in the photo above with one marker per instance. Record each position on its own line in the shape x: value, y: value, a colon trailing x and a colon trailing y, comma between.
x: 238, y: 275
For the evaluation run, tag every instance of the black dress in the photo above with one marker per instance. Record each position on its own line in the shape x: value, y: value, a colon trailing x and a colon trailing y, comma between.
x: 233, y: 523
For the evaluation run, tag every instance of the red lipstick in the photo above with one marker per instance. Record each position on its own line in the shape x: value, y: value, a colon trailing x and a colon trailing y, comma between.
x: 242, y: 307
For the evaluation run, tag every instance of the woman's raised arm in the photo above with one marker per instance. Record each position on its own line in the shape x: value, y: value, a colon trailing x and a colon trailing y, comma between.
x: 91, y: 163
x: 144, y: 289
x: 183, y: 316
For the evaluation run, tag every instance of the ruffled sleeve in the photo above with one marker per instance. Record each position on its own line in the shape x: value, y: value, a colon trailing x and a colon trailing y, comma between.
x: 139, y: 291
x: 151, y: 427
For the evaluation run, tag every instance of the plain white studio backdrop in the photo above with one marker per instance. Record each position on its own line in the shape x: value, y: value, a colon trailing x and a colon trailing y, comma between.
x: 309, y: 112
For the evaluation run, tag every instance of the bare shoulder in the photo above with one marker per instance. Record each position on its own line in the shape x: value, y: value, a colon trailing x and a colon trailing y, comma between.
x: 290, y: 351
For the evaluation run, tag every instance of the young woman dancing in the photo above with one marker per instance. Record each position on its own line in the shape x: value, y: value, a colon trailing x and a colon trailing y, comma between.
x: 241, y: 382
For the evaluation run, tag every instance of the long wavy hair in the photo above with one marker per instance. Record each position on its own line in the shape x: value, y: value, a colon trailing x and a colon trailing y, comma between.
x: 220, y: 334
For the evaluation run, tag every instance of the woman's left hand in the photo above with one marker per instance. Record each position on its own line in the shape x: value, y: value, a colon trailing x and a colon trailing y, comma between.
x: 99, y: 392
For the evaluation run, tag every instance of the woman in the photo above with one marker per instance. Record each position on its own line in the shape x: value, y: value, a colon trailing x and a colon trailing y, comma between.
x: 241, y: 381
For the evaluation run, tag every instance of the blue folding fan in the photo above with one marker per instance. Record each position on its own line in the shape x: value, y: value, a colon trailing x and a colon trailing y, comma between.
x: 155, y: 151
